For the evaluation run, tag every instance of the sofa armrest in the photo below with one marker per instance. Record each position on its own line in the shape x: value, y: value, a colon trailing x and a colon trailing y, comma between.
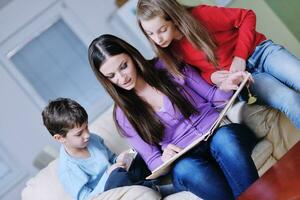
x: 273, y: 125
x: 45, y: 185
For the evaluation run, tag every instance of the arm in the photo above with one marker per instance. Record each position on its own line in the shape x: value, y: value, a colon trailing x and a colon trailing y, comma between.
x: 150, y: 153
x: 86, y: 193
x: 74, y: 182
x: 217, y: 19
x: 240, y: 23
x: 209, y: 92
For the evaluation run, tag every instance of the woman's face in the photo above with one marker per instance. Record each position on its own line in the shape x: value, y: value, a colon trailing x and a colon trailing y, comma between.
x: 120, y: 70
x: 161, y: 31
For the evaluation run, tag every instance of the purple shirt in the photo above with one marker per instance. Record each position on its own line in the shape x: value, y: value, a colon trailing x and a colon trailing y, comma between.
x: 178, y: 130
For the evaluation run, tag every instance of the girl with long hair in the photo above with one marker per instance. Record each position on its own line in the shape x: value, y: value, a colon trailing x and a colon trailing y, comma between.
x: 221, y: 42
x: 160, y: 114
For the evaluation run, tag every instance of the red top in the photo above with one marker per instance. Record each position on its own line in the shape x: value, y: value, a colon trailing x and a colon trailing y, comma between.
x: 232, y: 30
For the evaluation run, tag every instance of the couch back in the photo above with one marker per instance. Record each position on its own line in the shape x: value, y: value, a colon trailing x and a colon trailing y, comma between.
x: 104, y: 126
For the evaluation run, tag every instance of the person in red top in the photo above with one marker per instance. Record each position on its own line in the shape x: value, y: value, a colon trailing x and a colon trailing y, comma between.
x: 221, y: 43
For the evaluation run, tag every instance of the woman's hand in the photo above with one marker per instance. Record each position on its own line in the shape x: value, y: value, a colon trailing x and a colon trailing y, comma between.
x: 170, y: 151
x: 238, y: 64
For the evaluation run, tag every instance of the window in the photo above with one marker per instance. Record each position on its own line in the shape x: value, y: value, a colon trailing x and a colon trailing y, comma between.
x: 55, y: 63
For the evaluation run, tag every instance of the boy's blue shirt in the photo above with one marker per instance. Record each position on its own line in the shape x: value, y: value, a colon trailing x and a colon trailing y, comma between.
x: 84, y: 178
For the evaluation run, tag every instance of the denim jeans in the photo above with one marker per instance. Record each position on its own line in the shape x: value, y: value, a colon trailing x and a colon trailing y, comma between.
x: 136, y: 174
x: 220, y: 168
x: 276, y: 74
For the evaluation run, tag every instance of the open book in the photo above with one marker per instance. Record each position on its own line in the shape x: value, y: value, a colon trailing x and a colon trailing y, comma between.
x: 164, y: 168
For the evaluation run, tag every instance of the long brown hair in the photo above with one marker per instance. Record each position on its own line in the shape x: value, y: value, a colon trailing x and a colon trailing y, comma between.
x: 195, y: 33
x: 138, y: 112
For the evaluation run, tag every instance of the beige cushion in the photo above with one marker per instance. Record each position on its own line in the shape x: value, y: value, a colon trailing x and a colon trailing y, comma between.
x: 273, y: 124
x: 261, y: 152
x: 268, y: 163
x: 46, y: 186
x: 283, y: 135
x: 129, y: 193
x: 182, y: 196
x: 258, y: 119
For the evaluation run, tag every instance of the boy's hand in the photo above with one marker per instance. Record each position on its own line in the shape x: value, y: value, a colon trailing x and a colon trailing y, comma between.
x: 115, y: 166
x: 126, y: 158
x: 121, y: 157
x: 238, y: 64
x: 170, y: 151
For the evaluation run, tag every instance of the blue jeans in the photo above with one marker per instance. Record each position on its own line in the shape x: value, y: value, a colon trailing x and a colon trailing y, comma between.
x: 276, y: 74
x: 136, y: 174
x: 221, y: 168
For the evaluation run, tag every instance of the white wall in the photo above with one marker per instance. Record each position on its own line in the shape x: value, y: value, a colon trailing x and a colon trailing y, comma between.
x: 21, y: 131
x: 22, y: 134
x: 270, y: 24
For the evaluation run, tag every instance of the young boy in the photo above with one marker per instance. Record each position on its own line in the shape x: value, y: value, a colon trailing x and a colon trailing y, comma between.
x: 87, y: 167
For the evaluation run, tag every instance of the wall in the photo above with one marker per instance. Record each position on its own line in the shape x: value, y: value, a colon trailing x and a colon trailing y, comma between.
x: 21, y: 131
x: 288, y: 12
x: 267, y: 21
x: 270, y: 24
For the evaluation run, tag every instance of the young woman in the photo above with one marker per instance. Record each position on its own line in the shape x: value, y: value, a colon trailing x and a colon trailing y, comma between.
x: 220, y: 42
x: 160, y: 115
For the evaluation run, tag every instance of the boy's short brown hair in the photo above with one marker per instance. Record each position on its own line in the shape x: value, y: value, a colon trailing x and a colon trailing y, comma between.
x: 63, y: 114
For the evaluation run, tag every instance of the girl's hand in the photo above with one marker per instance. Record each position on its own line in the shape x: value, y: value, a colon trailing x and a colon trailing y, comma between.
x: 238, y: 64
x: 233, y: 80
x: 219, y: 76
x: 170, y: 151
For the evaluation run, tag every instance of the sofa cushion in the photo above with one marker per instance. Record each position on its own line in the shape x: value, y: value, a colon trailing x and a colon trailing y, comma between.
x: 104, y: 126
x: 182, y: 196
x: 274, y: 125
x: 46, y: 186
x: 261, y: 152
x: 258, y: 118
x: 268, y: 163
x: 129, y: 193
x: 283, y: 135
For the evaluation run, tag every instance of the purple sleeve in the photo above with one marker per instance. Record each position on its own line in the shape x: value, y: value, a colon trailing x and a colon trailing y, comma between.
x: 150, y: 153
x: 209, y: 92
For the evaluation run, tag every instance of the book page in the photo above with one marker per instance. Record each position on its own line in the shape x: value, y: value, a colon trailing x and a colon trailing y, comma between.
x: 164, y: 168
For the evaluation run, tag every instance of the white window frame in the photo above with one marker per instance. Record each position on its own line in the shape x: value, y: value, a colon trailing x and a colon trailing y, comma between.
x: 50, y: 12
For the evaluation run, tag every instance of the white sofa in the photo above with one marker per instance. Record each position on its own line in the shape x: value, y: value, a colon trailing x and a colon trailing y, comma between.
x: 275, y: 130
